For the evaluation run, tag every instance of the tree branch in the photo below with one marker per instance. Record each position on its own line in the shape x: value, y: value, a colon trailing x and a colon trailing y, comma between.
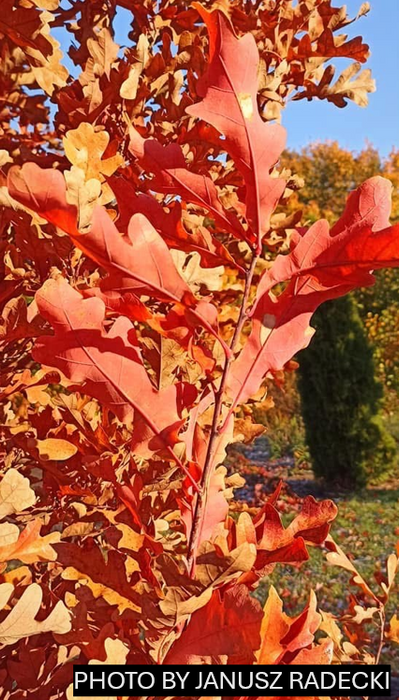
x: 200, y: 506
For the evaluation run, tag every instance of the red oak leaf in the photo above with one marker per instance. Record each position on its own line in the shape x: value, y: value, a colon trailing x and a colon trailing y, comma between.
x: 226, y: 626
x: 288, y: 640
x: 361, y: 241
x: 169, y: 225
x: 172, y: 177
x: 14, y: 321
x: 108, y: 365
x: 23, y: 25
x: 139, y: 262
x: 124, y: 304
x: 87, y: 562
x: 229, y: 92
x: 280, y: 328
x: 277, y: 543
x: 328, y: 47
x: 324, y: 264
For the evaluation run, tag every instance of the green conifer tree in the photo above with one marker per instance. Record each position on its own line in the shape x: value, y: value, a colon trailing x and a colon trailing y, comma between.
x: 341, y: 399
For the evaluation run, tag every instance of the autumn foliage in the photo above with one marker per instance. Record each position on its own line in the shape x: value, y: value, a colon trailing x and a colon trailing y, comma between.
x: 152, y: 287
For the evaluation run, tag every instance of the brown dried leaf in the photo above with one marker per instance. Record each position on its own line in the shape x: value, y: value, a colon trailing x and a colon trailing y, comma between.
x: 83, y: 194
x: 85, y: 147
x: 54, y: 448
x: 20, y: 622
x: 27, y: 546
x: 16, y: 493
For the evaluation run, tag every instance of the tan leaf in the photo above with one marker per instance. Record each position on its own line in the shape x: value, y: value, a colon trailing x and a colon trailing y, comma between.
x: 212, y: 569
x: 15, y: 493
x: 49, y: 71
x: 337, y: 557
x: 47, y: 4
x: 4, y: 157
x: 83, y: 194
x: 364, y: 9
x: 176, y: 91
x: 7, y: 201
x: 27, y: 546
x: 362, y: 614
x: 21, y: 623
x: 54, y: 448
x: 354, y: 85
x: 84, y: 147
x: 393, y: 631
x: 246, y: 431
x: 22, y: 575
x: 245, y: 530
x: 179, y: 607
x: 330, y: 627
x: 190, y: 269
x: 78, y: 529
x: 103, y: 51
x: 392, y: 569
x: 129, y: 87
x: 116, y: 653
x: 9, y: 534
x: 343, y: 651
x: 175, y: 359
x: 38, y: 394
x: 100, y: 590
x: 130, y: 539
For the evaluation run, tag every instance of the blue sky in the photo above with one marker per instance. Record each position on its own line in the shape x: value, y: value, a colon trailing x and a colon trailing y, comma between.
x: 353, y: 126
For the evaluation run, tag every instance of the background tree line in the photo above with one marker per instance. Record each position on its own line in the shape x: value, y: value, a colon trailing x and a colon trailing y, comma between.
x: 348, y: 398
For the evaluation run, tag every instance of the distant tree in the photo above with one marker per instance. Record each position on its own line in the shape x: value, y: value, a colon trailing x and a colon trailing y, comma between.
x: 329, y: 172
x: 379, y: 306
x: 341, y: 399
x: 358, y: 358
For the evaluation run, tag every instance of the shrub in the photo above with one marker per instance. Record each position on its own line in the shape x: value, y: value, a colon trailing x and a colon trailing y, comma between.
x: 341, y: 400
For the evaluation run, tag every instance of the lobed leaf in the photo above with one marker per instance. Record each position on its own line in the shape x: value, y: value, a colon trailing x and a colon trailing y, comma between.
x: 21, y: 623
x: 229, y: 92
x: 323, y: 264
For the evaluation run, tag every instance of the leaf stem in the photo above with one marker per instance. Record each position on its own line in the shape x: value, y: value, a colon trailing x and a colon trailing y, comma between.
x: 200, y: 506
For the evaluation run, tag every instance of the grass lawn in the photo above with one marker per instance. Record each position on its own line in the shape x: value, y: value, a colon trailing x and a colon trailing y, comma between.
x: 367, y: 529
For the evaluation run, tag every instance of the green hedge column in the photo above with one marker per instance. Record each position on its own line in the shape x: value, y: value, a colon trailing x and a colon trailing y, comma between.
x: 341, y: 397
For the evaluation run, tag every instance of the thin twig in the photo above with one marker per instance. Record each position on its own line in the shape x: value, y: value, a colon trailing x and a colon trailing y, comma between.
x: 381, y: 613
x: 200, y: 505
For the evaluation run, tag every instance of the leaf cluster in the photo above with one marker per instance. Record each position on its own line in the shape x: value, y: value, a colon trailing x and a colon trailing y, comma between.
x: 143, y: 308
